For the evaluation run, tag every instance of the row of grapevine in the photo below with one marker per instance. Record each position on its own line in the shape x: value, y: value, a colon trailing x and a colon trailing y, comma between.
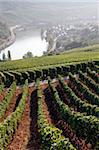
x: 5, y: 103
x: 89, y: 82
x: 81, y: 105
x: 89, y: 96
x: 51, y: 137
x: 2, y: 78
x: 77, y: 120
x: 85, y: 126
x: 9, y: 126
x: 20, y: 77
x: 96, y: 68
x: 54, y: 71
x: 17, y: 75
x: 9, y: 78
x: 1, y: 87
x: 93, y: 75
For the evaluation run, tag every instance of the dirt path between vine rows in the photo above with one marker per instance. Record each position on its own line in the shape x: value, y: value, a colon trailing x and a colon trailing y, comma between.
x: 21, y: 136
x: 3, y: 94
x: 13, y: 104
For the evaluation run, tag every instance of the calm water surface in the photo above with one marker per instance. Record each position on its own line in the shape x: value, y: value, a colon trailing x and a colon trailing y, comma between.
x: 33, y: 44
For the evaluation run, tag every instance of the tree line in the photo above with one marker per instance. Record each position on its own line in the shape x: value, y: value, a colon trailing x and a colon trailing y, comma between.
x: 8, y: 57
x: 5, y: 58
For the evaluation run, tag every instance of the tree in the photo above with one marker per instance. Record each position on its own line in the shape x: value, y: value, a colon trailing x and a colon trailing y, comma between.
x: 3, y: 57
x: 28, y: 55
x: 9, y: 55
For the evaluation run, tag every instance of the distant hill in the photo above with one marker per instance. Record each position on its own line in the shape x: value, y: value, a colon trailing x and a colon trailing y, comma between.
x: 4, y: 31
x: 38, y: 12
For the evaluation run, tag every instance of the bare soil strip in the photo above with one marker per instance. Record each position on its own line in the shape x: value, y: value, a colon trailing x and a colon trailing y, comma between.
x: 12, y: 106
x: 3, y: 94
x: 20, y: 137
x: 27, y: 136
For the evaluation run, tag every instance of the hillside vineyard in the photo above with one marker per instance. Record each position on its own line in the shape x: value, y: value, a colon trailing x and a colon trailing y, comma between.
x: 50, y: 109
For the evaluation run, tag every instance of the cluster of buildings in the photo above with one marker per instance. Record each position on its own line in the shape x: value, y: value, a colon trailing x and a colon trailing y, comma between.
x: 60, y: 36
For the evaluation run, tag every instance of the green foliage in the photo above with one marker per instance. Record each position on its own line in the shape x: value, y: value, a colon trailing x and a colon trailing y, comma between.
x: 9, y: 78
x: 89, y: 96
x: 51, y: 137
x: 85, y: 122
x: 1, y: 87
x: 28, y: 55
x: 89, y: 82
x: 82, y: 106
x: 3, y: 57
x: 50, y: 61
x: 18, y: 77
x: 85, y: 126
x: 93, y: 75
x: 9, y: 126
x: 2, y: 78
x: 9, y: 55
x: 5, y: 103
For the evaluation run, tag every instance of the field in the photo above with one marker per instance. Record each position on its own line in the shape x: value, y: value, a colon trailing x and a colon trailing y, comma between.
x: 50, y: 103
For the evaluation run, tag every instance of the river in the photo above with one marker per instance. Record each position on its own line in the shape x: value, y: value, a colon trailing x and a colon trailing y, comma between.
x: 22, y: 45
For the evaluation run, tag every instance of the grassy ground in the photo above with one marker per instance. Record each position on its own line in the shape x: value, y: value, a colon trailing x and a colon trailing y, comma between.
x: 72, y: 56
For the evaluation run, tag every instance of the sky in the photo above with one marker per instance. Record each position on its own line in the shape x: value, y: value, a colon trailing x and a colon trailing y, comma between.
x: 67, y: 0
x: 55, y: 0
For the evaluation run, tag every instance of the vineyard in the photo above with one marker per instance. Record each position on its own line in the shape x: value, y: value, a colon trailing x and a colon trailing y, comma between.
x: 51, y: 108
x: 89, y: 53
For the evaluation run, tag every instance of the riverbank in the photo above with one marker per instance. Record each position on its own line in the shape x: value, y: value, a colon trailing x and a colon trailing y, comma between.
x: 10, y: 40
